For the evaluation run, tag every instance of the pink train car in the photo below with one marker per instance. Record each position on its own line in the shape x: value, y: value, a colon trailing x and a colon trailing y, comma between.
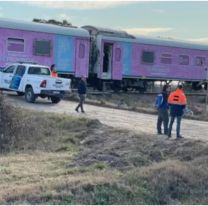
x: 45, y: 44
x: 102, y: 55
x: 128, y: 61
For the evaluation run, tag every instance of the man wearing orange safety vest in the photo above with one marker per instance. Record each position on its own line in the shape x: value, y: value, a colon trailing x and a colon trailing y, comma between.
x: 177, y: 102
x: 53, y: 71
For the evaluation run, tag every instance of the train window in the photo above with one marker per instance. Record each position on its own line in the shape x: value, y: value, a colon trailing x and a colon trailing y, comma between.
x: 166, y: 59
x: 200, y: 61
x: 42, y: 48
x: 81, y: 51
x: 118, y: 54
x: 148, y: 57
x: 15, y: 45
x: 183, y: 59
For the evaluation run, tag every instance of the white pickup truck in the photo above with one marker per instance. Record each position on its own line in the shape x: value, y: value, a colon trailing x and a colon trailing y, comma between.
x: 33, y: 81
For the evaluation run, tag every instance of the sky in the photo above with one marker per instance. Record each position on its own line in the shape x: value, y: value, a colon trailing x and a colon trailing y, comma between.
x: 185, y: 20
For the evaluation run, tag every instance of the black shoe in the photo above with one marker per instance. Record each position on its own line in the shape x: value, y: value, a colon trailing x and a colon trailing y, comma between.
x: 76, y: 110
x: 179, y: 137
x: 159, y: 133
x: 83, y: 111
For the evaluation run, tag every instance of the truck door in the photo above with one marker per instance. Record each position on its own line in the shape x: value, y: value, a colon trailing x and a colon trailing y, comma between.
x: 117, y: 62
x: 17, y: 78
x: 82, y: 58
x: 7, y: 75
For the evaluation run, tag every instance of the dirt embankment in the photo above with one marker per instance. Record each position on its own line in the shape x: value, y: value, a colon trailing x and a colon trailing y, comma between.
x: 58, y: 159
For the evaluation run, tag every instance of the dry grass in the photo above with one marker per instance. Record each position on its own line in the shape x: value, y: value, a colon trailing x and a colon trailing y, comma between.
x: 56, y: 159
x: 174, y: 182
x: 157, y: 172
x: 26, y: 177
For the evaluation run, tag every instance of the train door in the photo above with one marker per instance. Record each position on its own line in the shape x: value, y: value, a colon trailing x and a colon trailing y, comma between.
x: 117, y: 62
x: 81, y: 59
x: 107, y: 60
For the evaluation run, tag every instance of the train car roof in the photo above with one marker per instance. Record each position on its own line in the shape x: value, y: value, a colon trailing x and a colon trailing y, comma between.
x: 42, y: 27
x: 159, y: 41
x: 95, y: 30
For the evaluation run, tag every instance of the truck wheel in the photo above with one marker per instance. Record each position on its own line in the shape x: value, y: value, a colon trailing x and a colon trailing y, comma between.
x: 20, y: 93
x: 55, y: 100
x: 29, y: 95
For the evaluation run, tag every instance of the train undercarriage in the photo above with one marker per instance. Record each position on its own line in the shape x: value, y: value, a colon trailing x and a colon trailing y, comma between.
x: 131, y: 84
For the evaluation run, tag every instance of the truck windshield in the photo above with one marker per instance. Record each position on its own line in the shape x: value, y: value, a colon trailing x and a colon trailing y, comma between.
x: 39, y: 71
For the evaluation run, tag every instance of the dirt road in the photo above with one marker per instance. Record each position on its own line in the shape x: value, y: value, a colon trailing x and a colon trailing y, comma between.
x: 138, y: 122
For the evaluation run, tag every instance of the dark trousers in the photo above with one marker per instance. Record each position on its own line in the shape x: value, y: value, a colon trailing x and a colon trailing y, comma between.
x: 162, y: 118
x: 81, y: 102
x: 178, y: 126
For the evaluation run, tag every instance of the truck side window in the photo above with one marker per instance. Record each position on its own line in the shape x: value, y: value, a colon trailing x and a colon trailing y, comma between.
x: 10, y: 69
x: 20, y: 70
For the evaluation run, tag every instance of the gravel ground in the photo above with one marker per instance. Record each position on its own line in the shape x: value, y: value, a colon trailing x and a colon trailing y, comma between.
x: 133, y: 121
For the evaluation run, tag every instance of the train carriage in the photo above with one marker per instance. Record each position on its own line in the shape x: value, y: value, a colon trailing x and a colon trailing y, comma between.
x: 130, y: 62
x: 45, y: 44
x: 105, y: 56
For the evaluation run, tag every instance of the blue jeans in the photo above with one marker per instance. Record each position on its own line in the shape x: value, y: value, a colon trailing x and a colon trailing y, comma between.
x: 81, y: 102
x: 178, y: 127
x: 162, y: 118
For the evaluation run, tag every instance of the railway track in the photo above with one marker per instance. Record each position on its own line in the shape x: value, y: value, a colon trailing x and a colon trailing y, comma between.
x: 136, y: 93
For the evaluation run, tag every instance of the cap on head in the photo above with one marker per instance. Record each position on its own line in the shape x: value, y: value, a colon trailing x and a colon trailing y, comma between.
x: 53, y: 66
x: 180, y: 86
x: 165, y: 88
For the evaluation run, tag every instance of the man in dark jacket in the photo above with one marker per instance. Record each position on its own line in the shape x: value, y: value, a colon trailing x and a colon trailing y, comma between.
x: 177, y: 101
x: 82, y: 90
x: 162, y: 107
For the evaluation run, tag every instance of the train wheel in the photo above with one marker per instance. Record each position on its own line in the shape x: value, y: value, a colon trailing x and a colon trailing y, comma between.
x: 100, y: 85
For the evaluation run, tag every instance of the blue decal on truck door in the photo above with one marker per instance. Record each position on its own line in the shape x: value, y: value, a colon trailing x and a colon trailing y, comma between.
x: 16, y: 80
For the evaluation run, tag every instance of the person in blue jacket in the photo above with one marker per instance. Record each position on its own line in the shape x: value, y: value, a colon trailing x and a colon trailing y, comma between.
x: 82, y: 90
x: 162, y: 106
